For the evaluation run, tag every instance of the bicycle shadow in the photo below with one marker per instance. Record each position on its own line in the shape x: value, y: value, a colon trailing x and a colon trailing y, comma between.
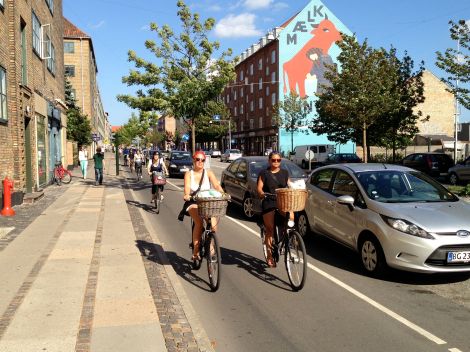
x: 149, y: 208
x: 254, y: 266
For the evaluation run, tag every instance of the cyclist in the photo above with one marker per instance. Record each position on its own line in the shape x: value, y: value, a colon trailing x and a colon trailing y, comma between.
x: 138, y: 160
x: 195, y: 180
x: 131, y: 159
x: 126, y: 156
x: 268, y: 181
x: 156, y: 165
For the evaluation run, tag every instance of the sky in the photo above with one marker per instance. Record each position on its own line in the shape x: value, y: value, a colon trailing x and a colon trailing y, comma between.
x: 419, y: 27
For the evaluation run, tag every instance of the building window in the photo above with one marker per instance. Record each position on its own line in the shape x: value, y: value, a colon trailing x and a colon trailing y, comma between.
x: 50, y: 4
x: 51, y: 60
x: 260, y: 64
x: 241, y: 75
x: 260, y: 84
x: 241, y: 109
x: 260, y: 122
x: 273, y: 56
x: 252, y: 124
x: 228, y: 98
x: 267, y: 70
x: 73, y: 94
x: 267, y: 91
x: 273, y: 99
x: 241, y: 92
x: 235, y: 111
x: 235, y: 95
x: 3, y: 94
x: 260, y: 103
x: 242, y: 123
x: 251, y: 69
x: 69, y: 47
x: 273, y: 77
x: 69, y: 70
x: 252, y: 106
x: 24, y: 62
x: 251, y: 88
x: 36, y: 35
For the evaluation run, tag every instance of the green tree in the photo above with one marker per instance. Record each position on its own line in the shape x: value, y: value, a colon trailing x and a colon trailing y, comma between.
x: 456, y: 62
x: 78, y: 124
x: 130, y: 130
x: 186, y: 76
x: 374, y: 94
x: 292, y: 114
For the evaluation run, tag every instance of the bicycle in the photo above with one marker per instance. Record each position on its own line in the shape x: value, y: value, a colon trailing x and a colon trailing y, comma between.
x: 209, y: 248
x: 287, y: 241
x: 158, y: 179
x: 138, y: 170
x: 60, y: 174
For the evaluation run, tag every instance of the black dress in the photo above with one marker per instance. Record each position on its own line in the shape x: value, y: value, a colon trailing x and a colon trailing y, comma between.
x: 157, y: 168
x: 272, y: 181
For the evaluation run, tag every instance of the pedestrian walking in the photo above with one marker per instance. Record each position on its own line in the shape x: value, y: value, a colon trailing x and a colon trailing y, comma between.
x: 83, y: 159
x: 98, y: 158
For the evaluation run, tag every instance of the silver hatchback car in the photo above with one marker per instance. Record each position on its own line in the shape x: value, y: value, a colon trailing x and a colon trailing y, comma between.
x: 391, y: 215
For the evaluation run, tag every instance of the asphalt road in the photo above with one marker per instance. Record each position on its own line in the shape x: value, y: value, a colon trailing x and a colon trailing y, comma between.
x: 339, y: 308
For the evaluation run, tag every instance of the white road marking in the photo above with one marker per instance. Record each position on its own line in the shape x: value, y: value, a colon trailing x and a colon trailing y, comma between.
x: 358, y: 294
x: 454, y: 350
x: 177, y: 187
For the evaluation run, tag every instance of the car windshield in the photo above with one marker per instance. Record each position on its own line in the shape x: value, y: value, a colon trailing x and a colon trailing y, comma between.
x: 392, y: 186
x: 181, y: 156
x: 294, y: 170
x: 234, y: 151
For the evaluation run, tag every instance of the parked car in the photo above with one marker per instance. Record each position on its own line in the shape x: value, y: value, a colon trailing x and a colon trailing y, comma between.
x: 215, y: 153
x: 460, y: 173
x: 433, y: 164
x: 231, y: 155
x: 391, y: 215
x: 239, y: 180
x: 340, y: 158
x: 319, y: 152
x: 178, y: 162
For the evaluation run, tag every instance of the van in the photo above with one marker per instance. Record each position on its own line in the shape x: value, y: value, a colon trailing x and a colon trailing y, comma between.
x: 320, y: 154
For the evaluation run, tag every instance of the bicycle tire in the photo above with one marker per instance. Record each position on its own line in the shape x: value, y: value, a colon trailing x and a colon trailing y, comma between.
x: 156, y: 199
x: 66, y: 177
x: 196, y: 262
x: 57, y: 177
x: 213, y: 261
x: 263, y: 244
x: 295, y: 260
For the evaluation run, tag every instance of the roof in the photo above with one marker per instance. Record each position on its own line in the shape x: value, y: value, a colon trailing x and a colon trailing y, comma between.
x: 72, y: 31
x: 360, y: 167
x: 115, y: 128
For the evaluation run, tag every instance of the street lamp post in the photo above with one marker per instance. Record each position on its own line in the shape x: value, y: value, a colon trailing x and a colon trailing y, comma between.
x: 217, y: 118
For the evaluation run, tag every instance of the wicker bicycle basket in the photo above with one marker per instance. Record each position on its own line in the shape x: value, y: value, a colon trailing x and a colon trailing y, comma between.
x: 290, y: 200
x: 211, y: 206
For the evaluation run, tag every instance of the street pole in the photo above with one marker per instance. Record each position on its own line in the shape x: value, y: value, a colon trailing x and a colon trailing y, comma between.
x: 456, y: 108
x: 229, y: 134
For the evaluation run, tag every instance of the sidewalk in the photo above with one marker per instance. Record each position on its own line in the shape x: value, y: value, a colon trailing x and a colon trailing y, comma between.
x: 78, y: 276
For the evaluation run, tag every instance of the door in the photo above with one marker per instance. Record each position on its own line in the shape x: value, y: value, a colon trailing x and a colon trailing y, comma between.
x: 28, y: 157
x: 229, y: 179
x: 319, y: 199
x: 241, y: 180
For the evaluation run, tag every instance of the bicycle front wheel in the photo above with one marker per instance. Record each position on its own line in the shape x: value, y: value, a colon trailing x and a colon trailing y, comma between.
x: 295, y: 260
x: 66, y: 177
x: 156, y: 199
x: 213, y: 261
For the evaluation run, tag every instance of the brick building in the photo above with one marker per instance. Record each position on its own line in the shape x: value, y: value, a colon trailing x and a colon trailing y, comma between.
x: 32, y: 112
x: 82, y: 70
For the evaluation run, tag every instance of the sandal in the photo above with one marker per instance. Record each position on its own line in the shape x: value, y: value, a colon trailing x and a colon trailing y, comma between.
x: 196, y: 257
x: 271, y: 263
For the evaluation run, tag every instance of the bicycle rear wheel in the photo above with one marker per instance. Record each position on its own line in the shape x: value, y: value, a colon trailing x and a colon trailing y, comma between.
x: 295, y: 260
x: 66, y: 177
x: 263, y: 244
x: 156, y: 199
x: 213, y: 261
x: 57, y: 177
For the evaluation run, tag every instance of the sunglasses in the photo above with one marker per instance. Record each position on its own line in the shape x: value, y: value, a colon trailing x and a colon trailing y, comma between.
x: 276, y: 160
x: 200, y: 159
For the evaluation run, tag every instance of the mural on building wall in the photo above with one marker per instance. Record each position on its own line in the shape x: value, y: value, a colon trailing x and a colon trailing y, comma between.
x: 306, y: 47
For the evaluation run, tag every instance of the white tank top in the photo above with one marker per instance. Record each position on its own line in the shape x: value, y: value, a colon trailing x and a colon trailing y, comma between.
x: 206, y: 185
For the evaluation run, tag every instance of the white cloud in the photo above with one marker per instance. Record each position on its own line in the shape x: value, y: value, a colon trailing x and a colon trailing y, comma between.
x: 214, y: 8
x: 257, y: 4
x: 97, y: 25
x: 233, y: 26
x: 280, y: 6
x: 145, y: 28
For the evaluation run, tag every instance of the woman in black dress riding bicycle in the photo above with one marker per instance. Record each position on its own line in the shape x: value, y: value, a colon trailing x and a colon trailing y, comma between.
x: 268, y: 181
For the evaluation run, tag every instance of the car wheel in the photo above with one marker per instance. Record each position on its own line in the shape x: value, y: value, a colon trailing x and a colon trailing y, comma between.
x: 453, y: 179
x: 372, y: 256
x: 302, y: 224
x: 248, y: 206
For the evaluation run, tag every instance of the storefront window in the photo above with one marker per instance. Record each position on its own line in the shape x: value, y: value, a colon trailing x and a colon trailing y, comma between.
x: 41, y: 138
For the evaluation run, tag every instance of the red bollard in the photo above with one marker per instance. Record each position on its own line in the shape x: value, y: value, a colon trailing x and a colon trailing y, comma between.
x: 7, y: 188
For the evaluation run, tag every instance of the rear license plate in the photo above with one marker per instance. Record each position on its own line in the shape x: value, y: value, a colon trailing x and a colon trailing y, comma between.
x: 458, y: 257
x: 443, y: 174
x: 184, y: 169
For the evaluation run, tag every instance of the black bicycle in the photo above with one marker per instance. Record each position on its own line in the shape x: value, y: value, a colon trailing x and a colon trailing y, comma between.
x: 158, y: 179
x: 209, y: 248
x: 138, y: 170
x: 288, y: 241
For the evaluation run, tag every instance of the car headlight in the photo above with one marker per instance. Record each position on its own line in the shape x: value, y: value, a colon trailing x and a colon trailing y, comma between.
x: 407, y: 227
x: 173, y: 166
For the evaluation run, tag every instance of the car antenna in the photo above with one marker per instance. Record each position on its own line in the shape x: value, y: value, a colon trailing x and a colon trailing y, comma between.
x: 385, y: 166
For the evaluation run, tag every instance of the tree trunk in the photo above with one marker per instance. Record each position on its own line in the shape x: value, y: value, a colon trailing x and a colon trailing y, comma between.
x: 291, y: 140
x: 193, y: 137
x: 364, y: 142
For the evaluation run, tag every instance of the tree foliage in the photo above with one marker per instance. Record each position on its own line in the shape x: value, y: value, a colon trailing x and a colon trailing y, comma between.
x: 186, y: 76
x: 78, y: 124
x: 372, y: 99
x: 456, y: 62
x: 292, y: 114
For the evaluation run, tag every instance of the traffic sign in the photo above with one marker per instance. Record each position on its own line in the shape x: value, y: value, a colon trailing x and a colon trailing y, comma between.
x: 309, y: 155
x: 216, y: 117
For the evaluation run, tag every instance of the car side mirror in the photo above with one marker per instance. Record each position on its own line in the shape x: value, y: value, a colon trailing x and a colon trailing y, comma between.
x: 346, y: 200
